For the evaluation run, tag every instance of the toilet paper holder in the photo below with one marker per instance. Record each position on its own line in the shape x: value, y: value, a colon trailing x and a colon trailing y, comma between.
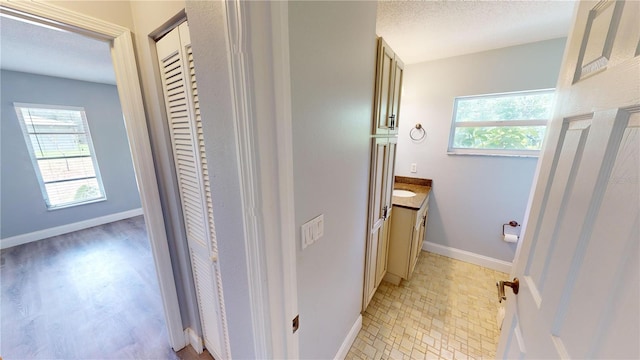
x: 511, y: 223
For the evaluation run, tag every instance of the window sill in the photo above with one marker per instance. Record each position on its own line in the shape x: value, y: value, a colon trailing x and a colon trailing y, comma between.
x: 66, y: 206
x: 495, y: 153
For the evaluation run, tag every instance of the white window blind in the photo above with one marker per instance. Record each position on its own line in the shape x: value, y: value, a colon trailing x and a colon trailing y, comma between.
x: 62, y: 152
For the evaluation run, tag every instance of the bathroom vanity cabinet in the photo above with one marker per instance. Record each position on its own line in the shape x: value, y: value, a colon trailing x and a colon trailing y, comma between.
x: 408, y: 227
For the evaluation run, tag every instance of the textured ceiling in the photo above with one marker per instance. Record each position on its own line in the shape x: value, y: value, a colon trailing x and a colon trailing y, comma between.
x: 416, y: 30
x: 426, y: 30
x: 39, y: 50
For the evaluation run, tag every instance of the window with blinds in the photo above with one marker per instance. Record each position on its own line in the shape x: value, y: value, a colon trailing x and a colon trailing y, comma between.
x: 62, y: 153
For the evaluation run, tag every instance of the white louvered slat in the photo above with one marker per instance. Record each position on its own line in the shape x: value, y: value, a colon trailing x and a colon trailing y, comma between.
x: 200, y: 145
x: 187, y: 139
x: 206, y: 290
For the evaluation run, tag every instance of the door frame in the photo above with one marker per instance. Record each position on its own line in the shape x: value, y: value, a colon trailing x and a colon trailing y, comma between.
x: 130, y: 94
x: 258, y: 39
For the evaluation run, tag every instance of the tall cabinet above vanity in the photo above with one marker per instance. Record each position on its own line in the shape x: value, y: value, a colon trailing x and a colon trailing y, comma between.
x: 396, y: 219
x: 384, y: 137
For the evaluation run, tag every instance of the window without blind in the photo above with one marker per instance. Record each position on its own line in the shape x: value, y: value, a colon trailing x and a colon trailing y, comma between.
x: 62, y: 153
x: 501, y: 124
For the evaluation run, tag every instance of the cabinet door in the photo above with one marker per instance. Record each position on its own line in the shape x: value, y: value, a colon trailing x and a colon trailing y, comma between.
x: 390, y: 168
x: 398, y: 74
x: 383, y: 251
x: 413, y: 255
x: 378, y: 183
x: 384, y: 88
x: 377, y: 214
x: 370, y: 283
x: 401, y: 242
x: 424, y: 226
x: 417, y: 242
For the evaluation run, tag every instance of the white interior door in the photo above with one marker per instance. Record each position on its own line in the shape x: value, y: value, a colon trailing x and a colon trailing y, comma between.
x: 578, y: 263
x: 180, y: 91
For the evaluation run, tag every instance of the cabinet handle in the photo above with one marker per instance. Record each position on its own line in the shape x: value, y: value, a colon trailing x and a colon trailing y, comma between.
x: 384, y: 212
x: 393, y: 121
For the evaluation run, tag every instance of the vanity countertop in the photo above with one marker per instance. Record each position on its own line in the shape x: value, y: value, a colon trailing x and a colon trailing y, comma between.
x: 422, y: 188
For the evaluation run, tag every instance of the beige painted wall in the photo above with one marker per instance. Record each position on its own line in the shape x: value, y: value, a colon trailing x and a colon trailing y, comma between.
x: 117, y: 12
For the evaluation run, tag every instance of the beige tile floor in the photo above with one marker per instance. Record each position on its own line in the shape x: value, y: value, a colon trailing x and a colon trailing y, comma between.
x: 446, y: 311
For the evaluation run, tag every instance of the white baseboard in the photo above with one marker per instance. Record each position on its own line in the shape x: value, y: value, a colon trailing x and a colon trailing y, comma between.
x: 65, y: 229
x: 466, y: 256
x: 191, y: 338
x: 348, y: 341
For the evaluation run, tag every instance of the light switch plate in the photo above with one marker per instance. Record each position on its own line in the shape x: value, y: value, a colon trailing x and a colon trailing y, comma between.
x: 319, y: 226
x: 414, y: 167
x: 306, y: 235
x: 312, y: 230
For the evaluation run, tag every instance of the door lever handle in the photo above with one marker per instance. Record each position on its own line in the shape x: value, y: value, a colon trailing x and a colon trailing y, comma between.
x: 514, y: 285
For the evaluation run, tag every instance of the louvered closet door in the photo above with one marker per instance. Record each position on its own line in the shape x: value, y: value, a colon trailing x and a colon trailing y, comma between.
x: 185, y: 124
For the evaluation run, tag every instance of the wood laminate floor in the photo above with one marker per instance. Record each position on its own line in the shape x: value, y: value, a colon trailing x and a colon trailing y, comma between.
x: 91, y: 294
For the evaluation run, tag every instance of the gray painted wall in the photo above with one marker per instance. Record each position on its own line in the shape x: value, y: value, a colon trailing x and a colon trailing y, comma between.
x: 333, y: 50
x: 23, y: 208
x: 472, y: 196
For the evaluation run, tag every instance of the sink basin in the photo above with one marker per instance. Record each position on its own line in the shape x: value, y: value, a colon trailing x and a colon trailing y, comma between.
x: 403, y: 193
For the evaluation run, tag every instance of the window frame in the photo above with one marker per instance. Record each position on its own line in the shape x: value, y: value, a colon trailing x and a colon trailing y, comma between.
x: 34, y: 159
x: 451, y: 150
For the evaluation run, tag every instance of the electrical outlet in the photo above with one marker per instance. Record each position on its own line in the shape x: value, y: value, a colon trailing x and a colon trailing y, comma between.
x: 414, y: 167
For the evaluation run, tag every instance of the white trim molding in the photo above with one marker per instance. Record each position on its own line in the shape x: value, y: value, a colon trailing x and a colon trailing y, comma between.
x: 348, y: 341
x: 239, y: 39
x: 192, y: 338
x: 283, y: 264
x: 68, y: 228
x: 466, y: 256
x: 130, y: 94
x: 259, y: 58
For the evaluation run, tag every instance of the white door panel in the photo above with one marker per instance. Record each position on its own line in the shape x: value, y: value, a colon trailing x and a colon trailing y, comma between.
x: 578, y: 263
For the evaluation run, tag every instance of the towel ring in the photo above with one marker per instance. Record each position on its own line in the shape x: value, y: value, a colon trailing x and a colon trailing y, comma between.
x: 419, y: 134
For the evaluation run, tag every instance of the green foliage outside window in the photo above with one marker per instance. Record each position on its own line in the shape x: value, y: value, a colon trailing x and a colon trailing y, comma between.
x: 500, y: 121
x: 86, y: 192
x: 505, y: 107
x: 503, y: 137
